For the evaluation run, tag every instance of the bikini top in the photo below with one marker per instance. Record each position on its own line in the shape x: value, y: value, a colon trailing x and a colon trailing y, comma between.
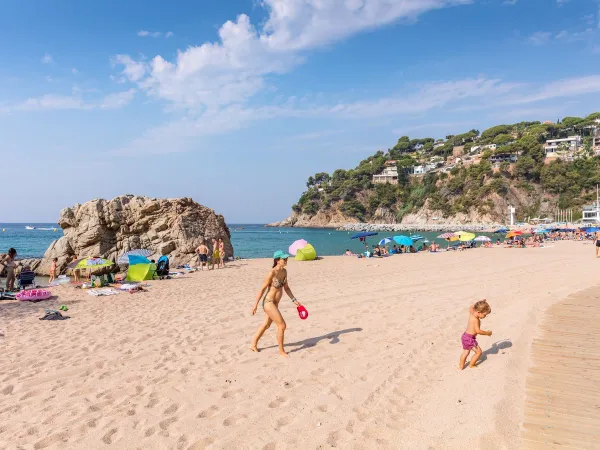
x: 278, y: 284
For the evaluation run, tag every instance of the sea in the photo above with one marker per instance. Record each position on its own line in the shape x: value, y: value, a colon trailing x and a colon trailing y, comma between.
x: 248, y: 240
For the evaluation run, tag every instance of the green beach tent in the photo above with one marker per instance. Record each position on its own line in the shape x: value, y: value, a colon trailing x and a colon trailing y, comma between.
x: 307, y: 253
x: 140, y: 269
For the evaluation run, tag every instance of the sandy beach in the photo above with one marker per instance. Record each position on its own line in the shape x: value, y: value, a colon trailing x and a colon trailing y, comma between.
x: 374, y: 366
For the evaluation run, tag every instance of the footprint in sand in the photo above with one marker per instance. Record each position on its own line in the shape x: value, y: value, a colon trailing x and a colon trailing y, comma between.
x: 279, y: 401
x: 282, y: 423
x: 234, y: 420
x: 171, y: 409
x: 209, y: 412
x: 108, y: 437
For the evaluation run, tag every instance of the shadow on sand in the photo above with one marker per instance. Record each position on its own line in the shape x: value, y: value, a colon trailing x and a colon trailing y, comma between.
x: 494, y: 349
x: 311, y: 342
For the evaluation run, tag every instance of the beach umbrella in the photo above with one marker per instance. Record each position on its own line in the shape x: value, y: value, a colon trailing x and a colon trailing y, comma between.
x: 140, y: 268
x: 363, y: 235
x: 464, y: 236
x: 306, y: 253
x: 446, y: 236
x: 417, y: 237
x: 482, y: 239
x: 592, y: 230
x: 90, y: 263
x: 297, y: 245
x: 385, y: 241
x: 541, y: 231
x: 501, y: 230
x: 124, y: 258
x: 512, y: 234
x: 403, y: 240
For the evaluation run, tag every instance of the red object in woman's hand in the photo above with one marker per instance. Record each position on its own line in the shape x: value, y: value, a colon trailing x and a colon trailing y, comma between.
x: 302, y: 312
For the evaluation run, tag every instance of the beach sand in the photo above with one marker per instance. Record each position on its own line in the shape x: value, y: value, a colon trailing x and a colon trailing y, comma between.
x: 374, y: 366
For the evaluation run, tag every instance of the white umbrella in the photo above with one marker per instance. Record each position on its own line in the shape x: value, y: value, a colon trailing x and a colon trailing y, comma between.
x: 482, y: 239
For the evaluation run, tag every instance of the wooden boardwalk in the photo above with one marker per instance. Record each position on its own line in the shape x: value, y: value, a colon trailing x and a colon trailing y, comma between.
x: 562, y: 405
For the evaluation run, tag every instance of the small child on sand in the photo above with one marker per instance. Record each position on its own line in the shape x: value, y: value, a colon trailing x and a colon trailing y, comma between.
x: 53, y: 270
x: 477, y: 312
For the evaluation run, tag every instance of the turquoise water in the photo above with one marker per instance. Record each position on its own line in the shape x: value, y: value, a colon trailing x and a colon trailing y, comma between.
x: 249, y: 241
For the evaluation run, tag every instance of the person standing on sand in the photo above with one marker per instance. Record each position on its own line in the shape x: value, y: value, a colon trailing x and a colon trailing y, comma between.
x: 53, y: 270
x: 275, y: 283
x: 221, y: 253
x: 76, y: 272
x: 215, y: 253
x: 477, y: 312
x: 597, y: 242
x: 9, y: 263
x: 202, y: 251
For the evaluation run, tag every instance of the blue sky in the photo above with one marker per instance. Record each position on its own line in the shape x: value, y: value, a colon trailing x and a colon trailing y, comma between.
x: 236, y: 103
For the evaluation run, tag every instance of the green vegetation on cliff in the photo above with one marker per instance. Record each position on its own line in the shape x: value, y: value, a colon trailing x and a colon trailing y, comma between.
x: 471, y: 184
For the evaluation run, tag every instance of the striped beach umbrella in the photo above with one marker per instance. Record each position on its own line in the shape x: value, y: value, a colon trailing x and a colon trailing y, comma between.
x: 446, y: 236
x: 417, y: 237
x: 385, y: 241
x: 124, y: 258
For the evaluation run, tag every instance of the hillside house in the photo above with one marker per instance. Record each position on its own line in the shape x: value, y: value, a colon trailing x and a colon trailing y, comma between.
x: 596, y: 144
x: 388, y: 175
x: 475, y: 149
x: 489, y: 147
x: 571, y: 144
x: 423, y: 169
x: 503, y: 157
x: 438, y: 144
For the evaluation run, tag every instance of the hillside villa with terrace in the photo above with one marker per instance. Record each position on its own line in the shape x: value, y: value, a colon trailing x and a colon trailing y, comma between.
x: 563, y: 148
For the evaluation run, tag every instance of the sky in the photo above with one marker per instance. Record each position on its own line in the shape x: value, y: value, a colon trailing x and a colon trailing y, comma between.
x: 236, y: 103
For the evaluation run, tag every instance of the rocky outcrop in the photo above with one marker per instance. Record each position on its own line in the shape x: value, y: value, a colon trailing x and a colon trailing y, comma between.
x: 109, y: 228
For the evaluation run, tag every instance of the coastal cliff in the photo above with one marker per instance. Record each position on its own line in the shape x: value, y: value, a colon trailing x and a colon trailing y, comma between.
x: 109, y: 228
x: 471, y: 178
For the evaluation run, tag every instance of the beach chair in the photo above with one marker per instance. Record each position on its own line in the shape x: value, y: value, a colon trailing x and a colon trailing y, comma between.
x: 26, y: 279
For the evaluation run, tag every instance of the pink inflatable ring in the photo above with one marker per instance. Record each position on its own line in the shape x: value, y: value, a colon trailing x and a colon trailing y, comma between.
x: 33, y: 295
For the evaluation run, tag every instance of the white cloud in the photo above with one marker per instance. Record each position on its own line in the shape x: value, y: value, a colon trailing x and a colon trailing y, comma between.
x: 155, y: 34
x: 235, y: 68
x: 74, y: 71
x: 540, y: 37
x: 510, y: 2
x: 47, y: 58
x: 133, y: 70
x: 75, y: 101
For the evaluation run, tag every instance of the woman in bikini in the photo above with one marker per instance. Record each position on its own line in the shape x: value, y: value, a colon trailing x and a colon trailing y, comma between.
x: 9, y: 263
x: 274, y: 285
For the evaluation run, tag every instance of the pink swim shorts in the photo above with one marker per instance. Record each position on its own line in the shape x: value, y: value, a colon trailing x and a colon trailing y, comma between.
x: 468, y: 341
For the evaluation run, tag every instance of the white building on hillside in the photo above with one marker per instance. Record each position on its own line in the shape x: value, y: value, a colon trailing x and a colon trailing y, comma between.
x: 572, y: 144
x: 388, y: 175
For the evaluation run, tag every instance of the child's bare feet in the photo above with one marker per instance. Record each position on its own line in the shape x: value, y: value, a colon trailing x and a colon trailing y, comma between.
x: 460, y: 367
x: 472, y: 366
x: 284, y: 354
x: 254, y: 349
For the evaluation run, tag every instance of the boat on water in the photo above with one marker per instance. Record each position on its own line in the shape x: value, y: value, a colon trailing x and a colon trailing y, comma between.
x: 28, y: 227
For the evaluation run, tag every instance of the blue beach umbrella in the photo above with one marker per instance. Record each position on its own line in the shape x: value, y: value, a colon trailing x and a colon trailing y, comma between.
x: 403, y: 240
x: 385, y: 241
x: 363, y: 235
x: 501, y: 230
x: 592, y: 230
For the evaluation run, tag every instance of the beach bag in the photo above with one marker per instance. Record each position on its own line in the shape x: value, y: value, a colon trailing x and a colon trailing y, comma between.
x: 162, y: 266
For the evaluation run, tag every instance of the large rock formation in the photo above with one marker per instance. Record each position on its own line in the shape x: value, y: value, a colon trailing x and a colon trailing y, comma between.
x: 109, y: 228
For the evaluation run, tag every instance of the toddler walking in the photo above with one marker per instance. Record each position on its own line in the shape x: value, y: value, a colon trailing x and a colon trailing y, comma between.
x: 477, y: 312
